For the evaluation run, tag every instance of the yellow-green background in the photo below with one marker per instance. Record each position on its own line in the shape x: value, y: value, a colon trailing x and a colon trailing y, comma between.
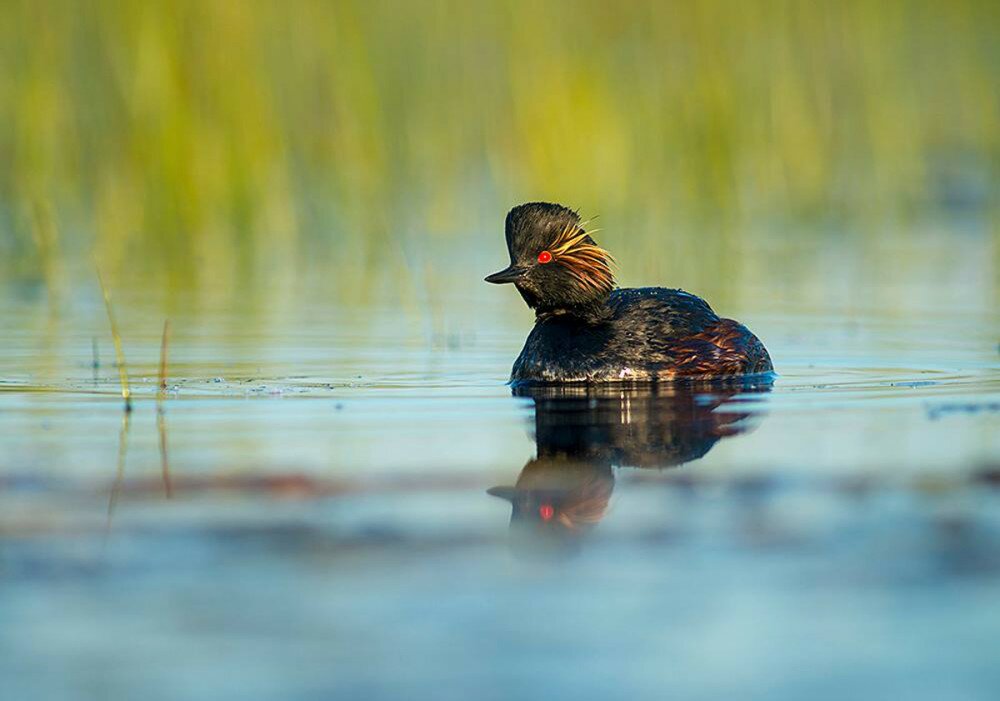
x: 204, y: 145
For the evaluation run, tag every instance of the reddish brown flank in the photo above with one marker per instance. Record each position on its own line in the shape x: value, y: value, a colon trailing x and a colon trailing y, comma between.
x: 722, y: 349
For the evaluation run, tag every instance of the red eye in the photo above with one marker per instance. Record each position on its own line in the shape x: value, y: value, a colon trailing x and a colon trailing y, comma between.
x: 544, y: 257
x: 546, y: 512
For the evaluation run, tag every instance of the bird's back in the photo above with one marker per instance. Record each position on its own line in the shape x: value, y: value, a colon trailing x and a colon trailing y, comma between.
x: 650, y: 333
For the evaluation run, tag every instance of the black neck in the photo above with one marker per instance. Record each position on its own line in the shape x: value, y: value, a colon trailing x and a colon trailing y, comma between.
x: 594, y: 312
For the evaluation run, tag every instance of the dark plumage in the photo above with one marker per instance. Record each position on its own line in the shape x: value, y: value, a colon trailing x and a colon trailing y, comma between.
x: 588, y: 331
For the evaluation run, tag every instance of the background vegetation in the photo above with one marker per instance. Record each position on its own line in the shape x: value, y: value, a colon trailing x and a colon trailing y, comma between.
x: 221, y: 143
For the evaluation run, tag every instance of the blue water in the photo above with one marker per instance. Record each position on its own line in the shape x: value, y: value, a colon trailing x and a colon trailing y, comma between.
x: 304, y: 513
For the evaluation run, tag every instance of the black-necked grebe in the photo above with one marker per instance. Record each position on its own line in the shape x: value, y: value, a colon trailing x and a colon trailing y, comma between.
x: 586, y: 330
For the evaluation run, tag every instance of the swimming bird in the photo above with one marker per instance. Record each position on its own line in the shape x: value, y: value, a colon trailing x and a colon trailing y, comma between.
x: 588, y: 330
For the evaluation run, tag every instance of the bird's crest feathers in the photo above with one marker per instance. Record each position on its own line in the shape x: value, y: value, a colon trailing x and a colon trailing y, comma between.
x: 588, y: 263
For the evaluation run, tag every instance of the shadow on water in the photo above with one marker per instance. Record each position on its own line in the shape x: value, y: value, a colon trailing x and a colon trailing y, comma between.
x: 583, y: 433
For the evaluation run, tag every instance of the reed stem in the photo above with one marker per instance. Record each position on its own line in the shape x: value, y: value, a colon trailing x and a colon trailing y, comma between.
x: 116, y: 337
x: 164, y: 349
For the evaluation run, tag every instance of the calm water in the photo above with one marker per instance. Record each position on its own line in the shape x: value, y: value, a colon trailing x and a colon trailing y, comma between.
x: 353, y: 502
x: 338, y: 496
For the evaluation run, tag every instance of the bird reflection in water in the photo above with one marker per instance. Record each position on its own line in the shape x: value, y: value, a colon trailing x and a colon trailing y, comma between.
x: 583, y: 433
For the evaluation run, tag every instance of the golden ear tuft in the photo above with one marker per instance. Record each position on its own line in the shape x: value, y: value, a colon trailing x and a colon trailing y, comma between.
x: 588, y: 263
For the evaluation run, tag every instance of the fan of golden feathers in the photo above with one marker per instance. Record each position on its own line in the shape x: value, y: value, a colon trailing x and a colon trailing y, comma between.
x: 588, y: 263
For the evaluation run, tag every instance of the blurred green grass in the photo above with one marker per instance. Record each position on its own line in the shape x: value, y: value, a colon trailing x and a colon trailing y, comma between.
x: 217, y: 142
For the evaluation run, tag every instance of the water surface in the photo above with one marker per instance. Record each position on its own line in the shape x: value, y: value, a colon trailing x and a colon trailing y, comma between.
x: 334, y: 502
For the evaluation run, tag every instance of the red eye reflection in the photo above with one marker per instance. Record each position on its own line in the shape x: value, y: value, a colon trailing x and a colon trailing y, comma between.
x: 546, y: 512
x: 544, y: 257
